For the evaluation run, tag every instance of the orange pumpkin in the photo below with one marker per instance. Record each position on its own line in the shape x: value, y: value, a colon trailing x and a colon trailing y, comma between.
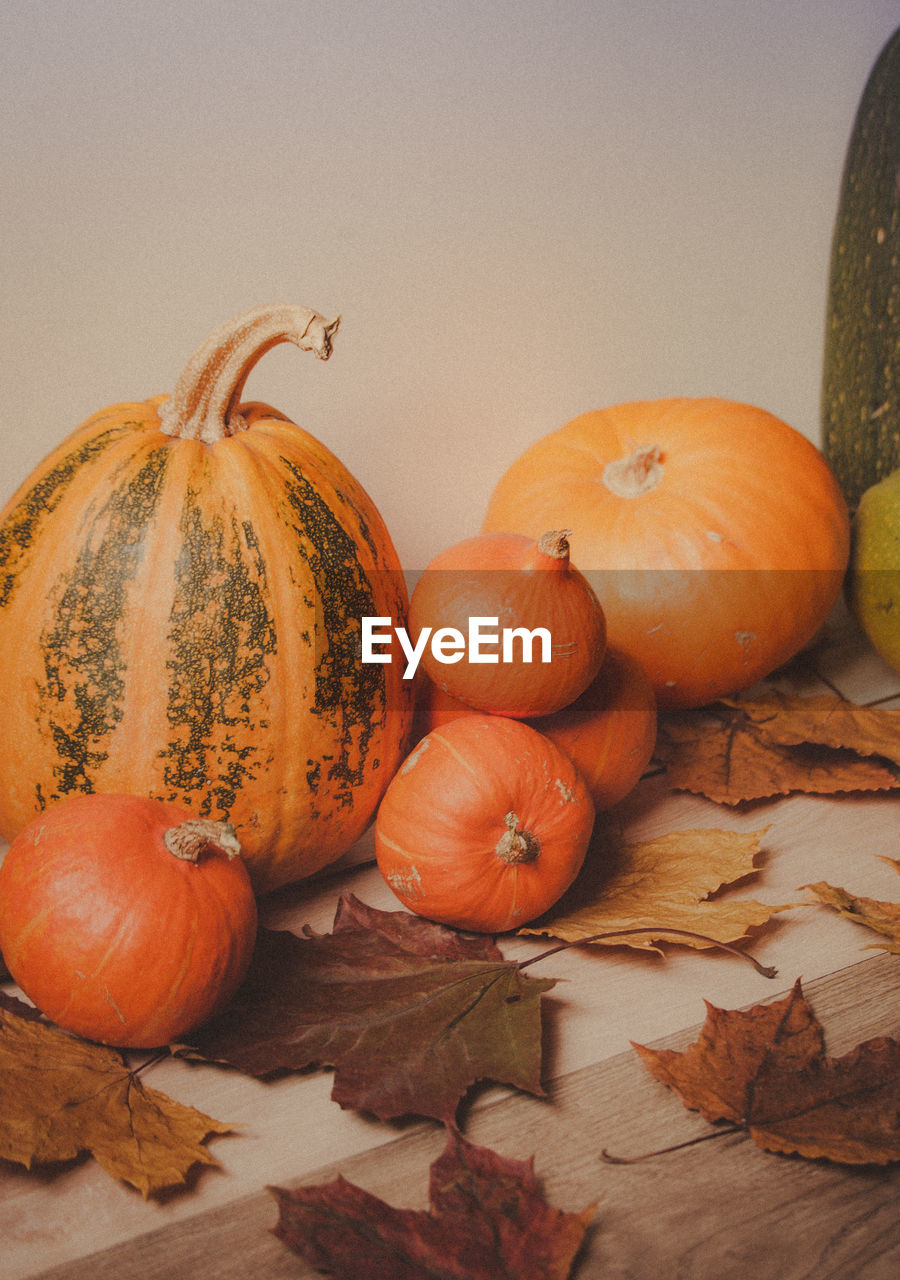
x: 126, y: 920
x: 714, y: 535
x: 435, y: 707
x: 182, y: 583
x: 550, y: 628
x: 609, y: 732
x: 484, y: 826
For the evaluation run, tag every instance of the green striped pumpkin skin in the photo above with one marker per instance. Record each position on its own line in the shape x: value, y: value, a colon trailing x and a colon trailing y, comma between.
x: 861, y: 380
x: 182, y: 620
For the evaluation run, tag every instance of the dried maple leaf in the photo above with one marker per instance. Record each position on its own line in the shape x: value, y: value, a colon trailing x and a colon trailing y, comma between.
x: 824, y: 719
x: 60, y: 1096
x: 661, y: 885
x: 487, y: 1219
x: 12, y: 1004
x: 735, y: 751
x: 882, y: 917
x: 410, y: 1014
x: 764, y: 1069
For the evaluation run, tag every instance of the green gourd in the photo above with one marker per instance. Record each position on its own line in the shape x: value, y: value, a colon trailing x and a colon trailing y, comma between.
x: 861, y: 384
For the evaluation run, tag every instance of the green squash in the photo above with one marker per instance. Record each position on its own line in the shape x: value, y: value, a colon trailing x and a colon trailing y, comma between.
x: 861, y: 383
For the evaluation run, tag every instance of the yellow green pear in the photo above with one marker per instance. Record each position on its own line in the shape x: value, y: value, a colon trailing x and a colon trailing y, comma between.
x: 874, y: 579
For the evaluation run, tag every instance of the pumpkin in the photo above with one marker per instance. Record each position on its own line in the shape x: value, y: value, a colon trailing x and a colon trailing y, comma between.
x: 609, y: 732
x: 860, y: 403
x: 126, y: 920
x: 434, y: 707
x: 182, y: 583
x: 549, y: 626
x: 713, y: 533
x: 484, y: 826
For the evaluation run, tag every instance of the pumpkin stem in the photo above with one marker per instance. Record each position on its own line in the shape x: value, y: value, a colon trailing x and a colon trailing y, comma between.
x: 205, y: 402
x: 515, y: 845
x: 635, y: 475
x: 552, y: 550
x: 195, y: 835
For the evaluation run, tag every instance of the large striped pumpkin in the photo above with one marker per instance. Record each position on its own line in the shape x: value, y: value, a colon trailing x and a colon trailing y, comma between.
x: 181, y: 587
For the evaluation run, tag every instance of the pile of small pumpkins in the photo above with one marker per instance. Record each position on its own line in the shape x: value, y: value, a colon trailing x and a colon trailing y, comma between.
x: 188, y: 723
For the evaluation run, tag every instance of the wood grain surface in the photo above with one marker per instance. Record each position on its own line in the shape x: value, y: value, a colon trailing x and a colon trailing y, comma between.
x: 712, y: 1211
x: 720, y: 1209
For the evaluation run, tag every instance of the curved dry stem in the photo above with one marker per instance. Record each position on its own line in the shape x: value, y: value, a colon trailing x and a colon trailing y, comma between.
x: 677, y: 1146
x: 204, y: 405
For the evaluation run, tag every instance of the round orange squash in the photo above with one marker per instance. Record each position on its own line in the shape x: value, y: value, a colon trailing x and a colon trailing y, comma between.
x: 609, y: 732
x: 182, y: 583
x: 126, y: 920
x: 434, y: 706
x: 528, y: 588
x: 715, y: 535
x: 484, y: 826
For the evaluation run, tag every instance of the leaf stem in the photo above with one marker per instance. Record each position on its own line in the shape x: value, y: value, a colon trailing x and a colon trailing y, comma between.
x: 678, y: 1146
x: 151, y: 1061
x: 767, y: 971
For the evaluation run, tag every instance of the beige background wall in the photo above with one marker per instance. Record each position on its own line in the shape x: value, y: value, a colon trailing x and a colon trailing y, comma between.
x: 522, y: 210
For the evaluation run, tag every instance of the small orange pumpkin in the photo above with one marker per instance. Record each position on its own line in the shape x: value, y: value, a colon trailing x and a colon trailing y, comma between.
x: 527, y: 586
x: 182, y: 583
x: 714, y: 534
x: 126, y: 920
x: 484, y: 826
x: 609, y: 732
x: 434, y: 706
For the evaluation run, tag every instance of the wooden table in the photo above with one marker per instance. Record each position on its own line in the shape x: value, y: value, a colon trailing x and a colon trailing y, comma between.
x: 716, y: 1210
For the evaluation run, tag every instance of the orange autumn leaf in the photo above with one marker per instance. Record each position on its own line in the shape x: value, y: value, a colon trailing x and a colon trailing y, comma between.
x: 827, y: 720
x: 881, y: 917
x: 60, y: 1096
x: 738, y: 750
x: 660, y: 885
x: 765, y: 1070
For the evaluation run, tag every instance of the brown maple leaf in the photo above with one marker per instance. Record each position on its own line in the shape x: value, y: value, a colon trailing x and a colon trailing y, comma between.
x: 765, y: 1070
x: 487, y: 1219
x: 60, y: 1096
x: 410, y: 1014
x: 658, y: 886
x: 882, y: 917
x: 12, y: 1004
x: 737, y: 750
